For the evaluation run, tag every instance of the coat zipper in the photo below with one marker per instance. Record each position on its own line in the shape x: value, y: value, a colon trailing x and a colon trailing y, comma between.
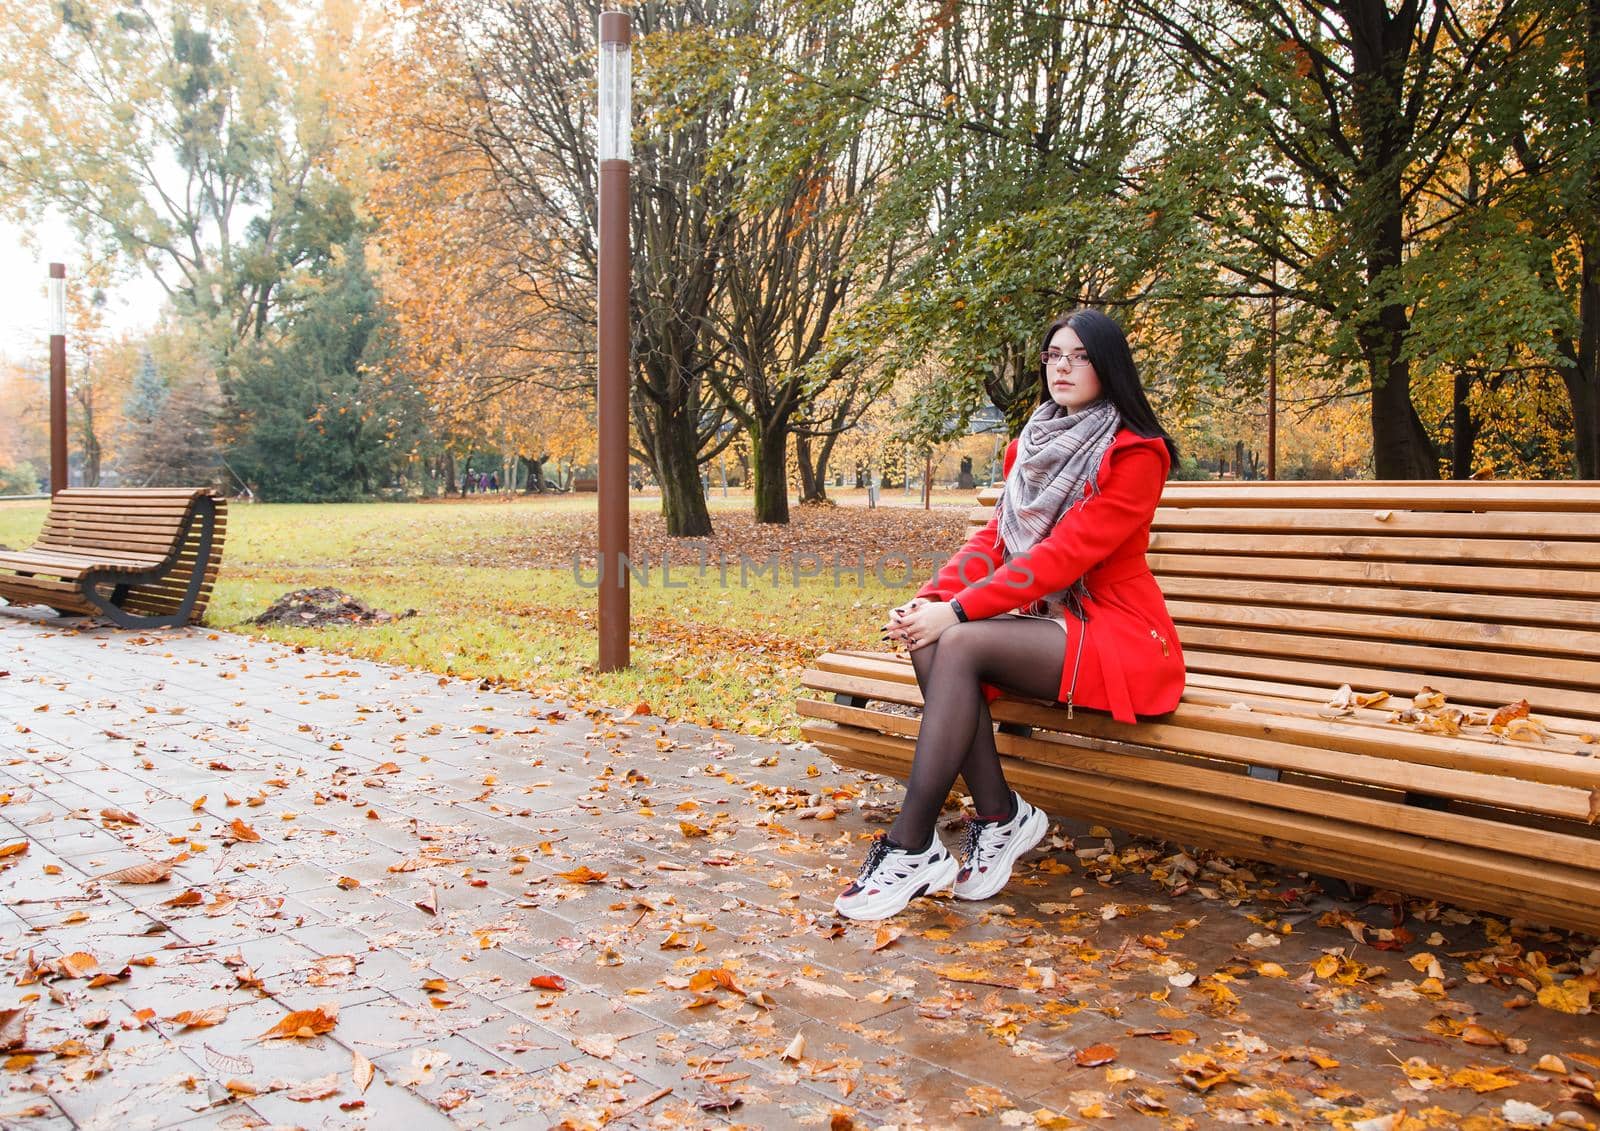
x: 1072, y: 688
x: 1162, y: 640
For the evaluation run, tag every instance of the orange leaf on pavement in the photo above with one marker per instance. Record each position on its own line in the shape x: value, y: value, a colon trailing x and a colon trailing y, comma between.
x: 153, y: 872
x: 200, y: 1018
x: 304, y: 1023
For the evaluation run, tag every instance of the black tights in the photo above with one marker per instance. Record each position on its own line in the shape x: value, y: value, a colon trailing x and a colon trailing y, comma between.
x: 1020, y: 654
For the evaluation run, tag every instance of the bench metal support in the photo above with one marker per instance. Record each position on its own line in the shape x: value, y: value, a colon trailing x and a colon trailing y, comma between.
x: 849, y: 700
x: 1018, y: 730
x: 1265, y: 773
x: 111, y: 607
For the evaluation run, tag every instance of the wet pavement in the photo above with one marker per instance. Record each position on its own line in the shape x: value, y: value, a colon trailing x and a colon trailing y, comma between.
x: 369, y: 897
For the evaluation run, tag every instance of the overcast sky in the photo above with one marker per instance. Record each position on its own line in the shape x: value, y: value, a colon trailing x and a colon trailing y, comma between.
x: 24, y: 310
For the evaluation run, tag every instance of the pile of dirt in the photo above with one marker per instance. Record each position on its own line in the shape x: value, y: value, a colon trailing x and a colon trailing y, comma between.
x: 312, y: 608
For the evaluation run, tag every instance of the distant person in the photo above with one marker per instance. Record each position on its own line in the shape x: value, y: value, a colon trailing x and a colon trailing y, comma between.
x: 466, y: 483
x: 1053, y: 600
x: 494, y: 481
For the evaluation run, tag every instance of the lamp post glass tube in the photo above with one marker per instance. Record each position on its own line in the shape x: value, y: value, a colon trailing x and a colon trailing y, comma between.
x: 58, y: 300
x: 616, y: 88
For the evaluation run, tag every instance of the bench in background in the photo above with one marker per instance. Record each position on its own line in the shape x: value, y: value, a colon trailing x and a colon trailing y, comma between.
x: 141, y: 557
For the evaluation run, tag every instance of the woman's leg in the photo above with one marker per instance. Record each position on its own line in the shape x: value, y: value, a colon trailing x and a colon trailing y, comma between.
x: 980, y: 769
x: 1021, y: 654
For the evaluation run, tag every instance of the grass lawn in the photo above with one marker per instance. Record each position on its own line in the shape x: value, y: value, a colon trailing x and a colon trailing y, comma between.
x: 499, y: 592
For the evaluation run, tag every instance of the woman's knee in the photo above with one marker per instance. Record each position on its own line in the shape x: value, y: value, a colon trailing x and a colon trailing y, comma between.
x: 961, y: 643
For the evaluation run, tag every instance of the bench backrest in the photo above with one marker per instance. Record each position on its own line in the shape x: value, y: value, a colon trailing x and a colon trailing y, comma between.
x: 155, y: 522
x: 1486, y: 591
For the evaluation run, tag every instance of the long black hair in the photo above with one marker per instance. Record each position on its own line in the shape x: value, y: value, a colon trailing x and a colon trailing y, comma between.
x: 1107, y: 347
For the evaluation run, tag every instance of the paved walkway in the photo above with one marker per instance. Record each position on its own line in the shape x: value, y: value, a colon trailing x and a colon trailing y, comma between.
x: 421, y: 866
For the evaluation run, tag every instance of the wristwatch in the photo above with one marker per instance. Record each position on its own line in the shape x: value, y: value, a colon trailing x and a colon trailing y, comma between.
x: 955, y: 607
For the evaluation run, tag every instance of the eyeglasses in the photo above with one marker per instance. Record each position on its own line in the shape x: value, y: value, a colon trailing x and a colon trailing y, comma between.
x: 1077, y: 359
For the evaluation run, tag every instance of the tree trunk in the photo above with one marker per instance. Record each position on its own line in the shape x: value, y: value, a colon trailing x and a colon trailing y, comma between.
x: 1583, y: 379
x: 1401, y: 448
x: 449, y: 472
x: 677, y: 466
x: 813, y: 476
x: 1464, y: 428
x: 769, y: 446
x: 91, y: 456
x: 1381, y: 46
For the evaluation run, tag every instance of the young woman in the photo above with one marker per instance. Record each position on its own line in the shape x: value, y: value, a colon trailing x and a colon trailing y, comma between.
x: 1051, y: 600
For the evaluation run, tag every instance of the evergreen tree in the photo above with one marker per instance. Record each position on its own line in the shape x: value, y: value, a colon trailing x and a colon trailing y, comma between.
x: 319, y: 415
x: 148, y: 397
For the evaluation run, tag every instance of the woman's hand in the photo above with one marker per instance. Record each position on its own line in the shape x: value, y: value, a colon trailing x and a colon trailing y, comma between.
x: 925, y: 624
x: 895, y: 629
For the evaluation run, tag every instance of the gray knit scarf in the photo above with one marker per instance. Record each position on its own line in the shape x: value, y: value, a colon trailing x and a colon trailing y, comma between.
x: 1058, y: 457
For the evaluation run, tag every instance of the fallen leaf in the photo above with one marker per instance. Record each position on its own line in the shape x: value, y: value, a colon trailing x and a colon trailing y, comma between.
x: 318, y: 1089
x: 582, y: 874
x: 190, y: 898
x: 304, y: 1023
x: 1566, y: 997
x: 153, y: 872
x: 886, y: 936
x: 361, y: 1071
x: 1517, y: 710
x: 1478, y: 1035
x: 13, y: 1028
x: 1094, y: 1056
x: 242, y: 831
x: 200, y: 1018
x: 16, y: 849
x: 79, y: 964
x: 796, y: 1049
x: 548, y: 982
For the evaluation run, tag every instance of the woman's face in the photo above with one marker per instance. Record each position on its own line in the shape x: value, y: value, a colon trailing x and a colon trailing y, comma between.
x: 1074, y: 385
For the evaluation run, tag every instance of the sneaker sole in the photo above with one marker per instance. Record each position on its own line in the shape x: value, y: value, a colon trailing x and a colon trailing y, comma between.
x: 1000, y: 874
x: 887, y: 904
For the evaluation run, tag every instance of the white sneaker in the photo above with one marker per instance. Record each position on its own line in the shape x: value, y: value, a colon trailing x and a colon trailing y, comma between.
x: 991, y: 849
x: 893, y: 877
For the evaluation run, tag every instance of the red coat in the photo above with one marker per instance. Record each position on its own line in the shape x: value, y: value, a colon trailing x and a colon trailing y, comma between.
x: 1126, y: 660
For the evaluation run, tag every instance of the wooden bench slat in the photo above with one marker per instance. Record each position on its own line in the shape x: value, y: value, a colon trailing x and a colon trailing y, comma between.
x: 1559, y: 583
x: 1383, y: 522
x: 1498, y: 610
x: 1493, y: 637
x: 1516, y: 667
x: 1445, y: 551
x: 1487, y: 693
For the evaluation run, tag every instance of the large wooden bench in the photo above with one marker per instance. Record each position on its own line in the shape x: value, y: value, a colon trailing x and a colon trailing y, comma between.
x: 1283, y: 593
x: 143, y: 557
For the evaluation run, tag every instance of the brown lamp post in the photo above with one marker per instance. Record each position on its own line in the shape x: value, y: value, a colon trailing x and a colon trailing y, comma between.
x: 616, y: 153
x: 58, y: 377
